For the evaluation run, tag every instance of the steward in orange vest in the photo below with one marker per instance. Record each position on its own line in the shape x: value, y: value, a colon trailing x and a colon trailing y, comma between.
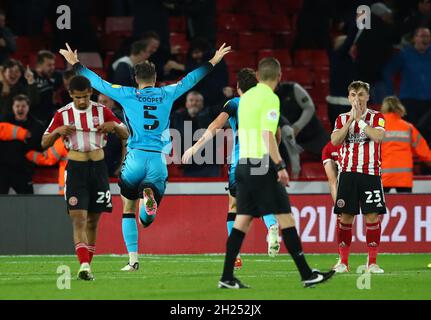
x: 401, y: 143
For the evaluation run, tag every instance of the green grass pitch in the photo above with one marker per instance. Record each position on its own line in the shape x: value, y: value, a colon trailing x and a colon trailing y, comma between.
x: 194, y: 277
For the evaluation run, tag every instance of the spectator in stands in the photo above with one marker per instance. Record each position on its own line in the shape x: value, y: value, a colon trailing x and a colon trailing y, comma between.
x: 210, y: 87
x: 298, y: 108
x: 341, y: 74
x: 123, y: 73
x: 62, y: 96
x: 419, y: 17
x: 48, y: 80
x: 11, y: 85
x: 414, y: 63
x: 7, y: 39
x: 401, y: 143
x: 187, y: 121
x: 15, y: 170
x: 374, y: 48
x: 201, y: 19
x: 115, y: 149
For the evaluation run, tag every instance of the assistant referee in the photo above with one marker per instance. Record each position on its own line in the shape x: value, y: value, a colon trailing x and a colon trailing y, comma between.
x: 262, y: 177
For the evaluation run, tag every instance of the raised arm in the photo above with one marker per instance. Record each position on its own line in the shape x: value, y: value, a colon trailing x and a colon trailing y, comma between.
x: 209, y: 133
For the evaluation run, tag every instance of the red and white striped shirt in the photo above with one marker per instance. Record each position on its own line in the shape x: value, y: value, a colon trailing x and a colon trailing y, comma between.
x: 330, y: 153
x: 86, y: 137
x: 359, y: 153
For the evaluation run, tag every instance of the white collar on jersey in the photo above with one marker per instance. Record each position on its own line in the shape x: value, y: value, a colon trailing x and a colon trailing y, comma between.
x: 82, y: 111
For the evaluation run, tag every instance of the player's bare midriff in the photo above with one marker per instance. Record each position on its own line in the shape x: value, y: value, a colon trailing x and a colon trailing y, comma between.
x: 95, y: 155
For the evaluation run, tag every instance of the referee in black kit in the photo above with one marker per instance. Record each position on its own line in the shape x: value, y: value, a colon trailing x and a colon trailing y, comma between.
x: 262, y: 177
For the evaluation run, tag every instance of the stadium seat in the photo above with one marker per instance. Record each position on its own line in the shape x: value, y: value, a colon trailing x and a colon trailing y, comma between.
x: 303, y: 57
x: 239, y: 59
x: 225, y: 6
x: 177, y: 24
x: 230, y: 38
x: 321, y: 74
x: 180, y: 41
x: 254, y: 6
x: 234, y: 22
x: 301, y: 75
x: 286, y: 6
x: 91, y: 59
x: 283, y: 55
x: 284, y: 40
x: 255, y: 41
x: 111, y: 42
x: 119, y: 25
x: 274, y: 23
x: 319, y: 93
x: 312, y: 170
x: 319, y: 58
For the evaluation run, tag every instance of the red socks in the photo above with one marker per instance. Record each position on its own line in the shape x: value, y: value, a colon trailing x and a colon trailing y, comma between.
x: 91, y: 251
x: 373, y: 233
x: 82, y: 252
x: 344, y: 238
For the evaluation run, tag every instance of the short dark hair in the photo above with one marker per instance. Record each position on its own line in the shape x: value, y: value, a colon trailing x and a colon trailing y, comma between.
x: 138, y: 46
x: 145, y: 71
x: 21, y: 97
x: 12, y: 63
x: 246, y: 79
x: 269, y: 69
x: 150, y: 35
x: 357, y: 85
x: 44, y: 54
x: 79, y: 83
x: 68, y: 74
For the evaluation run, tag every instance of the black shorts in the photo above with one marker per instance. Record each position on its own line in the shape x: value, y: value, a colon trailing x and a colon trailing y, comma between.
x: 259, y: 194
x: 359, y: 190
x: 87, y: 186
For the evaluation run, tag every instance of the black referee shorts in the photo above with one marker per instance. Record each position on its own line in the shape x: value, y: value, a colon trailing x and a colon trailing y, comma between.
x: 258, y: 192
x: 87, y: 186
x: 359, y: 190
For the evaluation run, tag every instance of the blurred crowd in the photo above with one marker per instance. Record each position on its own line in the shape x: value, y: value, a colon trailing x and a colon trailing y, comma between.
x: 394, y: 56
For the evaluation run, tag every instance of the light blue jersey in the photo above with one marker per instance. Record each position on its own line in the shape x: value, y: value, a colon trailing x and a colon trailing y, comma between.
x: 146, y: 111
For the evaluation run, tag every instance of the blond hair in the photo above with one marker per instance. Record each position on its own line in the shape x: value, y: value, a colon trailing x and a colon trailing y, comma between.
x: 393, y: 104
x: 357, y: 85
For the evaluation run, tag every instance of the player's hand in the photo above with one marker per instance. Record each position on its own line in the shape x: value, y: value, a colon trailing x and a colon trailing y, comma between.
x: 219, y: 54
x: 107, y: 127
x: 66, y: 130
x: 29, y: 76
x: 70, y: 56
x: 358, y: 113
x: 283, y: 177
x: 188, y: 154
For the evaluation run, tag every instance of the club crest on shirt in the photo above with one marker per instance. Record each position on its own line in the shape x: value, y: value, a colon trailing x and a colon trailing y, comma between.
x: 341, y: 203
x: 96, y: 121
x: 73, y: 201
x: 272, y: 115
